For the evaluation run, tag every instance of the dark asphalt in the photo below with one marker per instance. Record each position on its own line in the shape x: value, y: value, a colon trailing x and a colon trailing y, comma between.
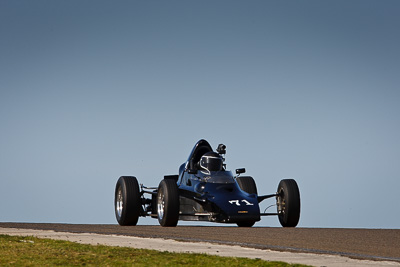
x: 375, y: 244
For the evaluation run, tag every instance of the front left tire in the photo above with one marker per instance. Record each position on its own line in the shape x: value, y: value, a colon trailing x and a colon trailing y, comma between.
x: 127, y: 202
x: 288, y: 203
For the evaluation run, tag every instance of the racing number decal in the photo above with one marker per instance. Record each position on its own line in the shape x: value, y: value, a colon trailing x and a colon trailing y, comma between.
x: 247, y: 203
x: 237, y: 202
x: 234, y: 201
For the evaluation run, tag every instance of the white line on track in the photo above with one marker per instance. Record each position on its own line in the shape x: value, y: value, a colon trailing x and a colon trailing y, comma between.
x: 198, y: 247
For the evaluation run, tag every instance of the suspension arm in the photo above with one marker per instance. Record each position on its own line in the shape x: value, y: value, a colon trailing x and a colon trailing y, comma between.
x: 269, y: 214
x: 154, y: 192
x: 261, y: 198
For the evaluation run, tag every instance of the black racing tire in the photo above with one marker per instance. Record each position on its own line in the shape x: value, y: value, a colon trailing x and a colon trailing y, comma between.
x: 127, y: 202
x: 247, y: 184
x: 168, y: 203
x: 246, y: 224
x: 288, y: 203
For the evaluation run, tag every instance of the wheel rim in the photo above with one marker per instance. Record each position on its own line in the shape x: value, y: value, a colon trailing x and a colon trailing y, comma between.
x: 160, y: 205
x: 280, y: 202
x: 120, y: 202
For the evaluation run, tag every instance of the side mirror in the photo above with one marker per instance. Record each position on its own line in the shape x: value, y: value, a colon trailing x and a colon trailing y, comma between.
x: 192, y: 171
x: 239, y: 171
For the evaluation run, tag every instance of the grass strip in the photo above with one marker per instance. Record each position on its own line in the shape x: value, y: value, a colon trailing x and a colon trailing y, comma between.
x: 31, y: 251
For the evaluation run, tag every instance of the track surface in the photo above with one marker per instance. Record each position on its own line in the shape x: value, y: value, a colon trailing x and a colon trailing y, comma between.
x: 377, y: 244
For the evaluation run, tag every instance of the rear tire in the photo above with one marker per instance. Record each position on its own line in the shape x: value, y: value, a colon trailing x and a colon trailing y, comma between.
x: 247, y: 184
x: 245, y: 224
x: 168, y: 203
x: 127, y: 201
x: 288, y: 203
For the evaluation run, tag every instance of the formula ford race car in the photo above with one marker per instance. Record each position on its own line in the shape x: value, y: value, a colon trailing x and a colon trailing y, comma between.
x: 204, y: 191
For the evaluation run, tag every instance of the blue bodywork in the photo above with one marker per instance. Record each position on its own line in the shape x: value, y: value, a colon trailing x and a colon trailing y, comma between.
x: 213, y: 196
x: 204, y: 190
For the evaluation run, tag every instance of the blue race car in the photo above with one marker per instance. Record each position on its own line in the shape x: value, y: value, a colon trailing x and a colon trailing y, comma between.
x: 204, y: 191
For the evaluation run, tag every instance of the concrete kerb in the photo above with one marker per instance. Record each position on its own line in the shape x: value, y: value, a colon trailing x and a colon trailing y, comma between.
x: 197, y: 247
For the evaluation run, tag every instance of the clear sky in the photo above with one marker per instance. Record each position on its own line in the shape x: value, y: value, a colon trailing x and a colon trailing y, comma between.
x: 92, y: 90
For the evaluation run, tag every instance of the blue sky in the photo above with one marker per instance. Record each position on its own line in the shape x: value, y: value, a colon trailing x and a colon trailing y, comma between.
x: 92, y: 90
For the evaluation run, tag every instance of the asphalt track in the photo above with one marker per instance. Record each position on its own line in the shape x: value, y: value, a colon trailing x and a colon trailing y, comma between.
x: 371, y: 244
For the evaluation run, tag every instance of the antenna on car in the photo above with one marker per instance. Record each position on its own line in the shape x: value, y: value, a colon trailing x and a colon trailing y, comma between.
x: 221, y: 149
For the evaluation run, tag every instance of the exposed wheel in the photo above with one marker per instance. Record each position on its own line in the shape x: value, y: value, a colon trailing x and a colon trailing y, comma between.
x: 288, y: 203
x: 127, y: 201
x: 246, y: 224
x: 168, y: 203
x: 247, y: 184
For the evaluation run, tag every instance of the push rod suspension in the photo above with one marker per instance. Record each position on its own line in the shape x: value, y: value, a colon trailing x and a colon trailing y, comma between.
x: 149, y: 188
x: 261, y: 198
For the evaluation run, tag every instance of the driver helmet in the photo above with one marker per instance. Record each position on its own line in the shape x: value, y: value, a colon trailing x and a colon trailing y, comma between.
x: 211, y: 161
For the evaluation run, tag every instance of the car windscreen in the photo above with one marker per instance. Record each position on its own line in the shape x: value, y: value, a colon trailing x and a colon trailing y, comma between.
x: 218, y: 177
